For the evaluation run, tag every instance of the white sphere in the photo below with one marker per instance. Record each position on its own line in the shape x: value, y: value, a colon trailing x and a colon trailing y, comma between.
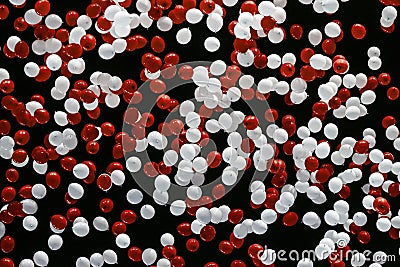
x: 55, y: 242
x: 332, y: 29
x: 177, y: 207
x: 373, y: 51
x: 106, y: 51
x: 147, y: 211
x: 41, y: 258
x: 53, y: 21
x: 258, y: 197
x: 331, y: 217
x: 167, y: 239
x: 194, y: 16
x: 322, y: 251
x: 71, y: 105
x: 376, y: 179
x: 30, y: 223
x: 315, y: 37
x: 310, y: 218
x: 164, y: 24
x: 389, y: 13
x: 392, y: 132
x: 26, y: 263
x: 212, y: 44
x: 96, y: 260
x: 110, y: 257
x: 187, y: 152
x: 259, y: 227
x: 194, y: 192
x: 149, y: 256
x: 31, y: 17
x: 330, y: 6
x: 218, y: 67
x: 162, y: 183
x: 163, y: 263
x: 53, y: 62
x: 274, y: 61
x: 230, y: 3
x: 75, y: 190
x: 133, y: 164
x: 383, y: 224
x: 374, y: 63
x: 352, y: 112
x: 31, y: 69
x: 82, y: 262
x: 117, y: 177
x: 376, y: 156
x: 246, y: 59
x: 123, y: 240
x: 266, y: 8
x: 335, y: 185
x: 368, y: 97
x: 203, y: 215
x: 145, y: 20
x: 214, y: 22
x: 331, y: 131
x: 193, y: 119
x: 183, y: 36
x: 359, y: 218
x: 305, y: 262
x: 315, y: 125
x: 29, y: 206
x: 39, y: 191
x: 276, y: 35
x: 134, y: 196
x: 80, y: 229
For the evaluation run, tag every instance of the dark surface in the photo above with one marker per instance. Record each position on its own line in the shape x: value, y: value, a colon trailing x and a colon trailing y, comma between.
x: 146, y: 233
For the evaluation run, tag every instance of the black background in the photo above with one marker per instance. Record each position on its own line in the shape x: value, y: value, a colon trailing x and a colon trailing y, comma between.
x: 146, y: 233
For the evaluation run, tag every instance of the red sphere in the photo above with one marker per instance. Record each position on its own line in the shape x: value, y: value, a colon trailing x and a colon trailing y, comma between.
x: 128, y: 216
x: 381, y: 205
x: 207, y: 233
x: 290, y: 219
x: 250, y: 122
x: 7, y: 244
x: 358, y: 31
x: 225, y: 247
x: 192, y: 245
x: 106, y: 205
x: 135, y: 254
x: 235, y: 216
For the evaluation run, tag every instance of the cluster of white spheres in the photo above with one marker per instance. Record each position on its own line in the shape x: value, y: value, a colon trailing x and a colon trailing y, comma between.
x: 97, y: 259
x: 374, y: 60
x: 328, y: 6
x: 388, y: 16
